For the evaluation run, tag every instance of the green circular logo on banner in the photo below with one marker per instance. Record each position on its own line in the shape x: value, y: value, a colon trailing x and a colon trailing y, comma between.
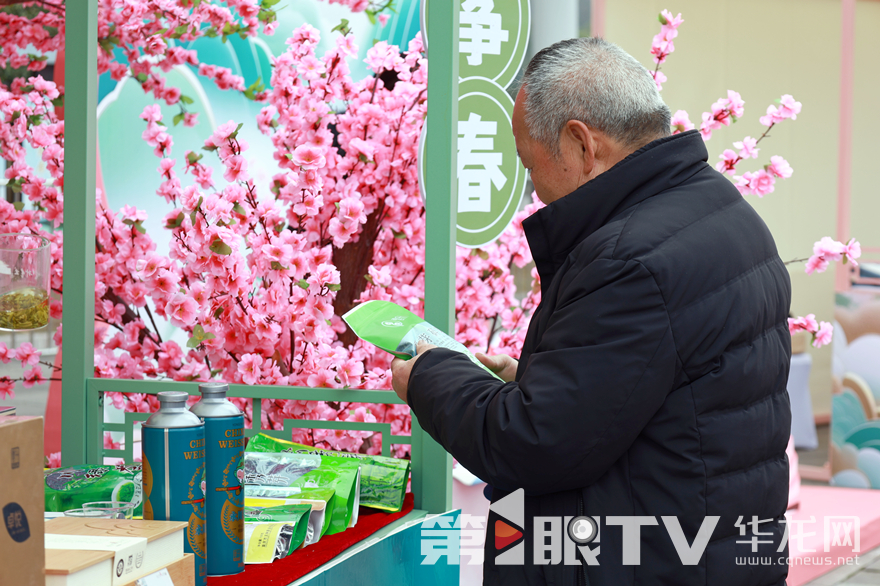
x: 492, y: 38
x: 491, y: 179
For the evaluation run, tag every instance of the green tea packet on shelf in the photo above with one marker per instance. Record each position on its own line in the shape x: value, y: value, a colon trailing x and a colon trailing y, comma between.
x: 310, y: 471
x: 319, y: 500
x: 383, y: 479
x: 296, y: 516
x: 71, y: 487
x: 397, y: 330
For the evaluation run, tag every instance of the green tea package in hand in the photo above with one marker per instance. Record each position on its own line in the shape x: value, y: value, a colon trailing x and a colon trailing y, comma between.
x: 310, y: 471
x: 70, y: 488
x: 294, y: 515
x: 320, y: 500
x: 397, y: 330
x: 383, y: 480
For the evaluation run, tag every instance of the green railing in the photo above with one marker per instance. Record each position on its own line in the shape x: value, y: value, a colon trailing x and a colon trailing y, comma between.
x: 83, y: 424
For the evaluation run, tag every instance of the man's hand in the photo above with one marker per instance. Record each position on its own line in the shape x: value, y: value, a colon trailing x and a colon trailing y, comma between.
x: 401, y: 369
x: 502, y: 365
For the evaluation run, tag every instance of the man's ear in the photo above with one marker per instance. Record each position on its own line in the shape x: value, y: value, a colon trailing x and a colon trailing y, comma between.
x: 578, y: 145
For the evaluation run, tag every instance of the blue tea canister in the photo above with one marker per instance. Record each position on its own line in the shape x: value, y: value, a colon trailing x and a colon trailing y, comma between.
x: 174, y: 472
x: 224, y: 458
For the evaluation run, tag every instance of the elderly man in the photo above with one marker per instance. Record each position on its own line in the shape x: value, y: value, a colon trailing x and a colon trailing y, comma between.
x: 650, y: 392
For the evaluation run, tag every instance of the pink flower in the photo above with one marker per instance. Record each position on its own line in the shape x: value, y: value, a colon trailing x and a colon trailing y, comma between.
x: 309, y: 157
x: 779, y: 167
x: 5, y: 353
x: 181, y: 310
x: 853, y: 251
x: 829, y: 248
x: 816, y: 263
x: 236, y: 167
x: 249, y: 368
x: 789, y: 108
x: 728, y: 162
x: 362, y: 147
x: 759, y: 183
x: 659, y: 79
x: 190, y: 119
x: 28, y: 355
x: 152, y: 113
x: 53, y: 460
x: 383, y: 19
x: 806, y: 324
x: 747, y: 148
x: 823, y: 335
x: 7, y: 388
x: 33, y: 377
x: 681, y: 122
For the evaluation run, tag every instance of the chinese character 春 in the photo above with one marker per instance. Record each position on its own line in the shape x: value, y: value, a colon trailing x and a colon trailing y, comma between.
x: 480, y: 31
x: 478, y: 167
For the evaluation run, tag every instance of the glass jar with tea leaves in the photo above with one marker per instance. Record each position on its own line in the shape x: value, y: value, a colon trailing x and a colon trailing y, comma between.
x: 24, y: 282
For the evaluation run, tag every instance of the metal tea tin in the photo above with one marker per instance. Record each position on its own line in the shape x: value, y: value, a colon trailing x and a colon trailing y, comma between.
x: 224, y: 458
x: 174, y: 472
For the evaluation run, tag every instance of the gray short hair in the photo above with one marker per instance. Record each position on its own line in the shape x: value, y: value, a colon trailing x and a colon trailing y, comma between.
x: 598, y: 83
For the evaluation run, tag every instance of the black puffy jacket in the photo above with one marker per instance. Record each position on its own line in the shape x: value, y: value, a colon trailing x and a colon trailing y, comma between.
x: 652, y: 381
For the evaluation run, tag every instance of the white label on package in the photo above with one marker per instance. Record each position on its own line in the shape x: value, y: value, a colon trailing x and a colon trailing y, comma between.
x: 128, y: 552
x: 160, y: 578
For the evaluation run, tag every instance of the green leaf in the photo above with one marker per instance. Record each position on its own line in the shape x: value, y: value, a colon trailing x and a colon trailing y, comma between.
x: 371, y: 15
x: 186, y: 99
x: 342, y: 27
x: 220, y: 247
x: 269, y: 3
x: 237, y: 128
x: 192, y: 157
x: 369, y: 279
x: 178, y: 119
x: 198, y: 331
x: 18, y: 205
x: 209, y: 148
x: 141, y: 77
x: 334, y: 286
x: 276, y: 266
x: 209, y: 336
x: 662, y: 19
x: 398, y: 235
x: 58, y: 102
x: 176, y: 222
x: 238, y: 209
x: 192, y: 217
x: 193, y: 343
x: 302, y: 283
x: 218, y: 312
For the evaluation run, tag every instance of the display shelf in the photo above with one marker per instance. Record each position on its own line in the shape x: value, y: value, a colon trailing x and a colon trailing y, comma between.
x: 83, y: 422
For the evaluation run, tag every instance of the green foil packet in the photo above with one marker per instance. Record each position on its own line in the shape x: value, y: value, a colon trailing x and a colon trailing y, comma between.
x: 72, y: 487
x: 397, y: 330
x: 320, y: 500
x: 295, y: 515
x: 310, y: 471
x: 383, y: 480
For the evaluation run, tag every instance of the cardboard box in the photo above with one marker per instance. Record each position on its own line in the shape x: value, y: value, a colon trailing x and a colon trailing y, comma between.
x: 22, y: 553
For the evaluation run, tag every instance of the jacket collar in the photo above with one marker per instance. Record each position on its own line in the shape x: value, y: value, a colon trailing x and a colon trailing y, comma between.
x: 555, y: 230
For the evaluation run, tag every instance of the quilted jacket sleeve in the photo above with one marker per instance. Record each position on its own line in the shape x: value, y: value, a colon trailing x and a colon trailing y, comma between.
x: 603, y: 366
